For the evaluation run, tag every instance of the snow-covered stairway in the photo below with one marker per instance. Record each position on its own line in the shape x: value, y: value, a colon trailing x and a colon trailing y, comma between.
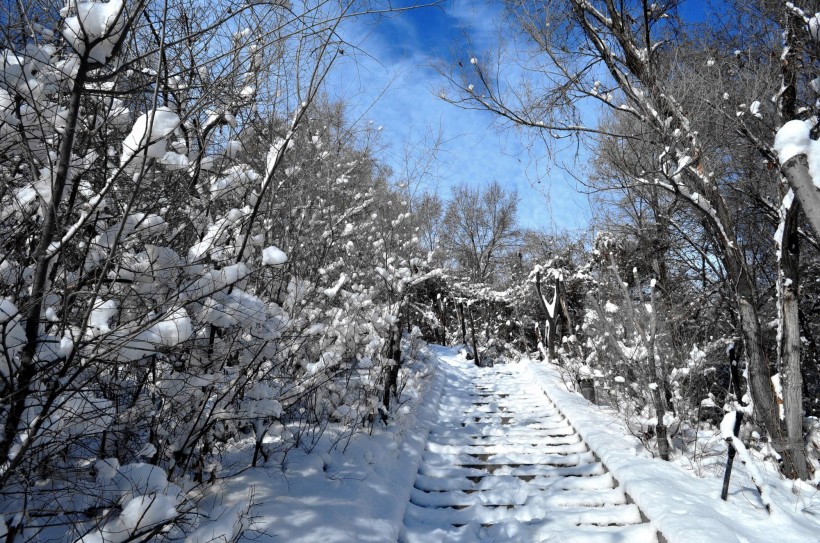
x: 502, y: 464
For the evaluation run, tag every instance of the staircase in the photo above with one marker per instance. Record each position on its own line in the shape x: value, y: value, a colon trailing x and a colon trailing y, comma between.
x: 504, y: 465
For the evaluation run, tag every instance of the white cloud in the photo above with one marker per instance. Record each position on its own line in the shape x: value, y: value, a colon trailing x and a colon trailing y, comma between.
x: 388, y: 78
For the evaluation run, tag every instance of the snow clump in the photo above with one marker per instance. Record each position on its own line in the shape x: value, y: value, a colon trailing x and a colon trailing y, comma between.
x: 13, y: 338
x: 97, y: 23
x: 814, y: 27
x: 794, y: 138
x: 791, y: 140
x: 150, y: 129
x: 273, y: 256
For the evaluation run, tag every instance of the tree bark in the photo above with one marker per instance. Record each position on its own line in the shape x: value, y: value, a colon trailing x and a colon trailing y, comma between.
x: 463, y: 324
x: 809, y: 368
x: 392, y: 371
x: 789, y: 348
x: 443, y: 310
x: 551, y: 315
x: 472, y: 333
x: 39, y: 287
x: 661, y: 433
x: 796, y: 171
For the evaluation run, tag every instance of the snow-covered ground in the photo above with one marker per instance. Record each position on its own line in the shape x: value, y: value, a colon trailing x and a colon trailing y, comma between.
x: 687, y: 508
x: 360, y: 492
x: 355, y: 491
x: 502, y: 464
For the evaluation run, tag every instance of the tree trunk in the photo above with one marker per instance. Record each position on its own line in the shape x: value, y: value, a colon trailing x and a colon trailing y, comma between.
x: 549, y: 308
x: 661, y: 434
x: 392, y: 370
x: 809, y: 368
x: 443, y: 310
x: 734, y: 371
x: 28, y: 367
x: 789, y: 347
x: 654, y: 96
x: 766, y: 409
x: 463, y: 324
x: 472, y: 333
x: 796, y: 171
x: 542, y: 351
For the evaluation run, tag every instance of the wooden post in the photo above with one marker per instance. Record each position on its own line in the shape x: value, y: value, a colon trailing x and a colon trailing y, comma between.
x: 731, y: 460
x: 734, y: 371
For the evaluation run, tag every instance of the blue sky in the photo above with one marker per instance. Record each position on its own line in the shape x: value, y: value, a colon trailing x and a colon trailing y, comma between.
x: 390, y: 81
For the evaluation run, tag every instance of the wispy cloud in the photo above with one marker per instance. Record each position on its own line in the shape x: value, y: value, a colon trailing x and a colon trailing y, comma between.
x: 389, y: 78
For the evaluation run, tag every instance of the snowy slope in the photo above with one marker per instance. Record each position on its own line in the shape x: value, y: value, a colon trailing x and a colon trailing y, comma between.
x: 355, y: 492
x: 685, y: 508
x: 400, y: 483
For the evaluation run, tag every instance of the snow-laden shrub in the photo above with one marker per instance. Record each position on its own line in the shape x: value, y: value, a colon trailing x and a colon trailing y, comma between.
x: 181, y: 275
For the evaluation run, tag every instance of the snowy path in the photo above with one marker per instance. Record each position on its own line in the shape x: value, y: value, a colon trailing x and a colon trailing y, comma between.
x: 516, y: 472
x: 503, y: 464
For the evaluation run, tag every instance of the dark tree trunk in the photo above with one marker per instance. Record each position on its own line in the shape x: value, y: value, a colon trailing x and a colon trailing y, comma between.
x: 472, y: 333
x: 809, y: 368
x: 443, y: 310
x: 463, y: 324
x: 392, y: 371
x: 789, y: 347
x: 550, y: 310
x: 21, y: 389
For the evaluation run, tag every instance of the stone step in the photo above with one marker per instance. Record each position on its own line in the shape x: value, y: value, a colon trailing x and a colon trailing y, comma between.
x: 582, y: 477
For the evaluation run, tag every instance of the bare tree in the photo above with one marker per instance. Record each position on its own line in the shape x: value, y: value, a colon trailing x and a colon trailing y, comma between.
x: 479, y: 227
x: 166, y: 286
x: 619, y: 55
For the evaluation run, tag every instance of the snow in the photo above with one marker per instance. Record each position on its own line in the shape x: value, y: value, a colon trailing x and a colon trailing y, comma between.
x: 399, y: 482
x: 355, y: 492
x: 273, y: 256
x: 148, y: 500
x: 149, y: 133
x: 173, y: 330
x: 66, y: 347
x: 226, y: 527
x: 754, y: 109
x: 814, y: 162
x: 814, y: 27
x: 727, y: 425
x: 791, y: 140
x: 332, y: 291
x: 215, y: 280
x: 683, y: 506
x: 778, y: 392
x: 225, y: 309
x: 12, y: 336
x: 96, y: 23
x: 794, y: 139
x: 235, y: 178
x: 145, y: 511
x: 101, y: 315
x: 174, y: 161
